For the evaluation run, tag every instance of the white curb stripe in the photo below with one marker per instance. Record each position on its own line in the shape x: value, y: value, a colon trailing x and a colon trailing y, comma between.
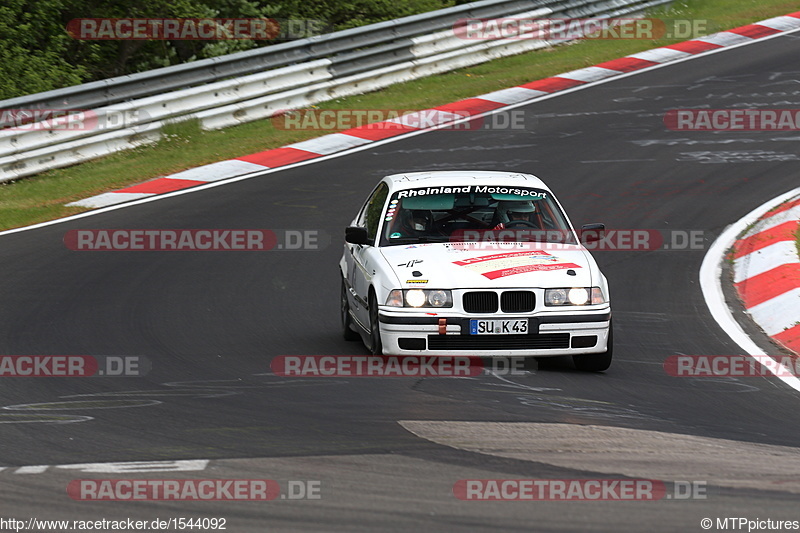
x: 782, y: 23
x: 328, y: 144
x: 217, y: 171
x: 764, y: 260
x: 775, y: 220
x: 724, y: 38
x: 776, y: 314
x: 511, y: 95
x: 110, y: 198
x: 661, y: 55
x: 589, y: 74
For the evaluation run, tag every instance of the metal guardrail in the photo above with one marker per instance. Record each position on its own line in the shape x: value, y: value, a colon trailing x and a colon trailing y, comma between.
x: 246, y: 86
x: 352, y: 46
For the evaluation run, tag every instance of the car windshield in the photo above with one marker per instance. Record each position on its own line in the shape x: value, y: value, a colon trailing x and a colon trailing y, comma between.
x: 473, y: 213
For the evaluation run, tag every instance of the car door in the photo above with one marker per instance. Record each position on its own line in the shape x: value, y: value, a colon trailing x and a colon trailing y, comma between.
x: 363, y: 268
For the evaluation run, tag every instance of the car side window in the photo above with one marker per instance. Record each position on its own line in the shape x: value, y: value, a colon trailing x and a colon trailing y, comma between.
x: 373, y: 211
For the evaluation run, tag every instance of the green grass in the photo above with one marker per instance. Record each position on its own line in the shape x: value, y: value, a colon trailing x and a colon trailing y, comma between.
x: 797, y: 241
x: 185, y: 146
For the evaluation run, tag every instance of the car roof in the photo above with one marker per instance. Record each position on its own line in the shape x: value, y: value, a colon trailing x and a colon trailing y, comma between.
x: 410, y: 180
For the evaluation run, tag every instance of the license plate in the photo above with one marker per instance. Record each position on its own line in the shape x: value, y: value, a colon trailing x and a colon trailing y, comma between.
x: 498, y: 327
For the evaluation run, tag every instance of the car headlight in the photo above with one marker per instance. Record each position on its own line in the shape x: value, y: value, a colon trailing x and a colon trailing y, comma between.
x: 573, y: 296
x: 420, y: 298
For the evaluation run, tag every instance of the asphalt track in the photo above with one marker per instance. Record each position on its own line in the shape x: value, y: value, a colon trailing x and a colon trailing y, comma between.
x: 210, y: 323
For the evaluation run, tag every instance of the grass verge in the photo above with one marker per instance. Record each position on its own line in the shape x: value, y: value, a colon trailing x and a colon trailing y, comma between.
x: 184, y: 145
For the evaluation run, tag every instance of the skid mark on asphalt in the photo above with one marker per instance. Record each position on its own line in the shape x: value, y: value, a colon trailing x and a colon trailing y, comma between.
x: 7, y: 418
x: 82, y: 405
x: 142, y: 398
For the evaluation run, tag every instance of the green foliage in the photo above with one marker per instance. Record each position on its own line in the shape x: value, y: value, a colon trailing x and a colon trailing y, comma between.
x: 37, y: 54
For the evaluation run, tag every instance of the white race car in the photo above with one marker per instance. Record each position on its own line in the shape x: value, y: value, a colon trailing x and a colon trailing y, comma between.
x: 473, y: 263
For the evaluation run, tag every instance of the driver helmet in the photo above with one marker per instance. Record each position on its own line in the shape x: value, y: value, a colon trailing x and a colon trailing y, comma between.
x: 520, y: 210
x: 417, y: 221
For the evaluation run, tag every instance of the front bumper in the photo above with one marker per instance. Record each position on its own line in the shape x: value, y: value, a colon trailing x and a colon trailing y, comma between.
x: 550, y: 334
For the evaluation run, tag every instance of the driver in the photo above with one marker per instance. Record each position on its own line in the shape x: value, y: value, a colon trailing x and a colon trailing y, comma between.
x: 521, y: 211
x: 414, y: 223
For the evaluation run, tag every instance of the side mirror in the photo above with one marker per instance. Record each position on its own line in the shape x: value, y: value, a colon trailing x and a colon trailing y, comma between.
x: 592, y: 232
x: 356, y: 235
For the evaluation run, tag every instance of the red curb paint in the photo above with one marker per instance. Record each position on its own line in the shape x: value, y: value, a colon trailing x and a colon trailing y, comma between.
x: 162, y: 185
x: 762, y: 239
x: 693, y: 47
x: 768, y: 285
x: 278, y: 157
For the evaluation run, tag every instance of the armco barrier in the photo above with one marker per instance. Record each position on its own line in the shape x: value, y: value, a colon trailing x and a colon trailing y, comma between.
x: 132, y: 110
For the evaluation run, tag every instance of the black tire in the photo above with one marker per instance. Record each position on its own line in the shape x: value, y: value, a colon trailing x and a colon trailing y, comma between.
x: 347, y: 323
x: 596, y: 362
x: 376, y: 346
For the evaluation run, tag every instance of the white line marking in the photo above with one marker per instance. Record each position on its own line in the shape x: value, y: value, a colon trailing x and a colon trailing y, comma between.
x: 128, y: 467
x: 38, y: 469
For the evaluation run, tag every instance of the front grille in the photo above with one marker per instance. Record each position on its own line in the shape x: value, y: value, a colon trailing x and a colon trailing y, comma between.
x: 480, y: 302
x: 517, y: 302
x: 498, y: 342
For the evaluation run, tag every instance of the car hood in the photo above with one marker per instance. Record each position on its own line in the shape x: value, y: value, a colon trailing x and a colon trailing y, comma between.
x: 475, y: 265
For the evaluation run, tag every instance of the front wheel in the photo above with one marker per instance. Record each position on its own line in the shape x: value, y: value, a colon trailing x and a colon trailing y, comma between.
x: 596, y: 362
x: 376, y: 346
